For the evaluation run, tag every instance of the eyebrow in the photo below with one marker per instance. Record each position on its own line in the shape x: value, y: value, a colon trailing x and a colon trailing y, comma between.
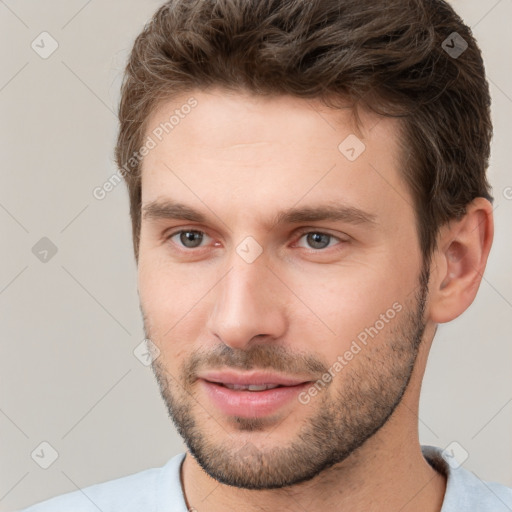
x: 170, y: 210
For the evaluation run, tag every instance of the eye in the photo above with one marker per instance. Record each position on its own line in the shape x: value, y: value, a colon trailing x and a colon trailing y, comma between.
x: 192, y: 238
x: 318, y: 240
x: 189, y: 238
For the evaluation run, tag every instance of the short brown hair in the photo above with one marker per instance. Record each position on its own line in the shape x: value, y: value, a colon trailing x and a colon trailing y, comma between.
x: 390, y: 57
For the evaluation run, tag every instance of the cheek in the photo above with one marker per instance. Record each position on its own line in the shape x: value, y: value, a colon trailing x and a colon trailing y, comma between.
x: 174, y: 304
x: 343, y: 303
x: 166, y: 288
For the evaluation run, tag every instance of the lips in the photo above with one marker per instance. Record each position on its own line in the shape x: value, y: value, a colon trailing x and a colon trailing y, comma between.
x: 250, y: 394
x: 252, y: 381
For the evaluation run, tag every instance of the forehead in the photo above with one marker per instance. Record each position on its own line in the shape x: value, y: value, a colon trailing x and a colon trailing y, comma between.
x: 245, y: 117
x: 239, y: 151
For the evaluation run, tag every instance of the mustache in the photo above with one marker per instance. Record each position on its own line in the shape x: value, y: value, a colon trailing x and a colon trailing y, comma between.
x: 260, y: 357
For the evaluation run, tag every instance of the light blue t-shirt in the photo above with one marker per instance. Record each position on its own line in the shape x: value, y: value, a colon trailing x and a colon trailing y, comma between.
x: 159, y: 490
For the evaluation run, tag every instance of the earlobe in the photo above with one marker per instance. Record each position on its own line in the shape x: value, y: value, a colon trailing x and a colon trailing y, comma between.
x: 461, y: 257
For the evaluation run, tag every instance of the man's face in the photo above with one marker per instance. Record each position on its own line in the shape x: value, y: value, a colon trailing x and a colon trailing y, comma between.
x: 329, y: 307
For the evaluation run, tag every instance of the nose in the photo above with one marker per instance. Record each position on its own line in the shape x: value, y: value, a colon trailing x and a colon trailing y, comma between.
x: 249, y: 303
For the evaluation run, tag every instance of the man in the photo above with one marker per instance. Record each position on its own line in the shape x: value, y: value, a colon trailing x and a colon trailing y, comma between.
x: 309, y: 201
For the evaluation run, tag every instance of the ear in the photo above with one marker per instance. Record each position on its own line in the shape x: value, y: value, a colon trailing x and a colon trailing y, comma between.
x: 459, y: 261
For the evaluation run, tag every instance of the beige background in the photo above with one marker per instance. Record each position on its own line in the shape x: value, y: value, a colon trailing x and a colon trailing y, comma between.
x: 69, y: 326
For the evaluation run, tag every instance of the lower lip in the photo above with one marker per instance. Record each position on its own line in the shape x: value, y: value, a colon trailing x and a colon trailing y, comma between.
x: 250, y: 404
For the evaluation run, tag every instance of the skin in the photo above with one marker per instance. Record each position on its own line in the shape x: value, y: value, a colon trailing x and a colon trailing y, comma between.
x: 239, y: 160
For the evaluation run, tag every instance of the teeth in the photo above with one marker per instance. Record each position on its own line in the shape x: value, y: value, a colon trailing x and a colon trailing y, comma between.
x: 252, y: 387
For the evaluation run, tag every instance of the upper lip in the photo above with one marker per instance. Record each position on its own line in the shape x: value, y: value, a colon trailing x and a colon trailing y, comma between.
x: 256, y: 378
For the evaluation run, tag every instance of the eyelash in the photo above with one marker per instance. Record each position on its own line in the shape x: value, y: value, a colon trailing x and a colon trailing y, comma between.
x: 300, y: 234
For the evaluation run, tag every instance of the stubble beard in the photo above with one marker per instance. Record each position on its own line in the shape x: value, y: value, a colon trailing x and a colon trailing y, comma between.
x: 371, y: 387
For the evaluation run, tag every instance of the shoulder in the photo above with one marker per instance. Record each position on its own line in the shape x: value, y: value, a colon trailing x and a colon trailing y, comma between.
x: 465, y: 491
x: 139, y: 491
